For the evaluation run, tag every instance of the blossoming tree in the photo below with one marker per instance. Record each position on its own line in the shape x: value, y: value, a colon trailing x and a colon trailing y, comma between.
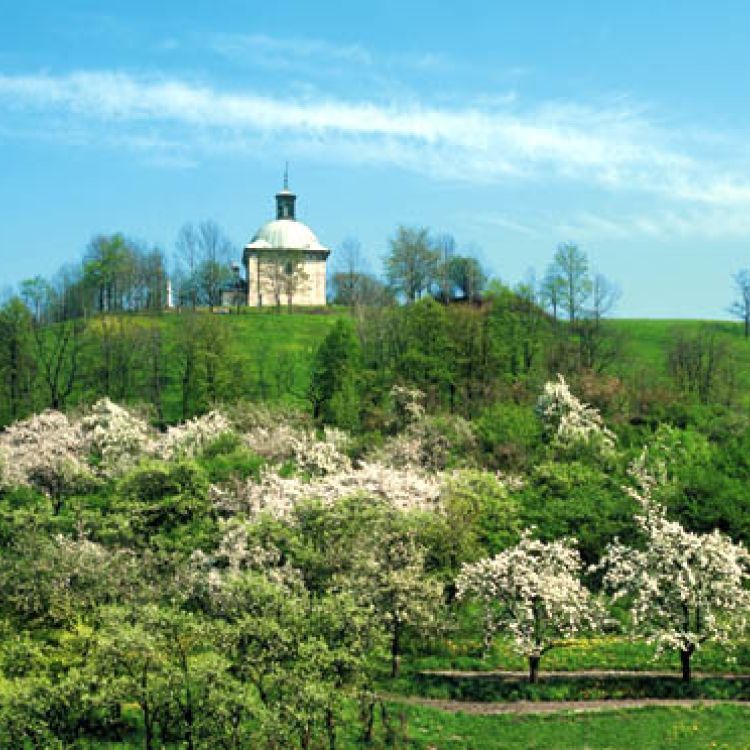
x: 571, y: 423
x: 684, y: 588
x: 534, y: 592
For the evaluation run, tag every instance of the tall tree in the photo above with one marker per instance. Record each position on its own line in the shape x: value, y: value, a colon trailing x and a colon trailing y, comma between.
x: 335, y: 377
x: 349, y: 272
x: 550, y: 291
x: 445, y: 246
x: 17, y: 363
x: 571, y: 266
x: 58, y: 347
x: 466, y: 277
x: 214, y: 273
x: 740, y: 308
x: 411, y: 265
x: 187, y: 260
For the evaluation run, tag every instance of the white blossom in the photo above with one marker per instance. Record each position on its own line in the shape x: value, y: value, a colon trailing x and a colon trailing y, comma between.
x: 116, y: 437
x: 569, y: 421
x: 405, y: 490
x: 533, y: 591
x: 190, y: 438
x: 45, y: 451
x: 684, y: 588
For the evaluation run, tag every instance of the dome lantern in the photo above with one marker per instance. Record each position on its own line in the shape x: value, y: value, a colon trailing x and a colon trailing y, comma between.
x: 285, y: 199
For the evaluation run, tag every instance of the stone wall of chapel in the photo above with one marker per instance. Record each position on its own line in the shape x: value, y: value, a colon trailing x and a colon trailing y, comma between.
x: 312, y: 292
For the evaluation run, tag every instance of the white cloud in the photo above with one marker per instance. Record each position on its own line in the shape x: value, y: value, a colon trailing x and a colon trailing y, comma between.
x: 614, y: 149
x: 261, y: 48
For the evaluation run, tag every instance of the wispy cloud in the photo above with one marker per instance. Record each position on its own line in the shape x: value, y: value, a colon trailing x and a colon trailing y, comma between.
x: 284, y: 52
x: 614, y: 148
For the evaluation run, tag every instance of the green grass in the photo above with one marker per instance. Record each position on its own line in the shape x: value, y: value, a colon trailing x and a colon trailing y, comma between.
x: 589, y: 653
x: 702, y: 728
x: 418, y: 728
x: 644, y: 344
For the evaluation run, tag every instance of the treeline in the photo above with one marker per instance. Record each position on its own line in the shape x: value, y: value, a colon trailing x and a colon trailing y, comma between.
x: 463, y: 356
x: 436, y: 322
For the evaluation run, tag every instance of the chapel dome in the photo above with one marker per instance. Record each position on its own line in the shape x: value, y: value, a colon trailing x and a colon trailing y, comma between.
x: 287, y: 234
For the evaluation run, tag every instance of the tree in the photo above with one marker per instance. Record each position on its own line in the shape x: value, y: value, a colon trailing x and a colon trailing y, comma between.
x: 36, y: 293
x: 411, y: 265
x: 334, y: 383
x: 740, y: 308
x: 551, y: 290
x: 445, y: 246
x: 466, y: 277
x: 534, y: 592
x: 213, y: 272
x: 58, y: 347
x: 390, y: 576
x: 348, y: 276
x: 569, y: 423
x: 571, y: 269
x: 604, y: 296
x: 684, y: 589
x: 17, y: 362
x: 188, y: 260
x: 109, y: 270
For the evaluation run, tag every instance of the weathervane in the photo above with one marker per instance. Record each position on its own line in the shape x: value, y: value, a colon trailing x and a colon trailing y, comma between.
x: 286, y: 176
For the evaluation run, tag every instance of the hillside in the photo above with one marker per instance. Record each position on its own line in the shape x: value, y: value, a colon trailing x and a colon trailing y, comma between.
x: 183, y: 363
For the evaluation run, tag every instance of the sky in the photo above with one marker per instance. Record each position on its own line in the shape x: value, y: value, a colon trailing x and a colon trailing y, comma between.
x: 621, y: 127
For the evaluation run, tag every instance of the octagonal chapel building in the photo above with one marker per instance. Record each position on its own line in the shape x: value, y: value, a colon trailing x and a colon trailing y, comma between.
x: 285, y: 258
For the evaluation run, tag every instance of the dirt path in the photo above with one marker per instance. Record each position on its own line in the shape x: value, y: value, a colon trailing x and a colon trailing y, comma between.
x: 500, y: 674
x: 547, y: 707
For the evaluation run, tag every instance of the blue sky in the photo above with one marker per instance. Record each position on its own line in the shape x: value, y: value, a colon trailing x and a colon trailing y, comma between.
x: 514, y: 126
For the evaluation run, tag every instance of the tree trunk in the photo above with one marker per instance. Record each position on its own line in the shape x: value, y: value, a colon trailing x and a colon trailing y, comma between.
x: 331, y: 728
x: 534, y: 669
x: 396, y: 650
x: 148, y: 724
x: 685, y: 655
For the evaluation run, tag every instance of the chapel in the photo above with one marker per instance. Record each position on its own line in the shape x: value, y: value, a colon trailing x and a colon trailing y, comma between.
x: 285, y: 263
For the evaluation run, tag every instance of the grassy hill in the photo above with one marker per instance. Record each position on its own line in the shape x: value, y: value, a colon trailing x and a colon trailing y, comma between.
x: 266, y: 355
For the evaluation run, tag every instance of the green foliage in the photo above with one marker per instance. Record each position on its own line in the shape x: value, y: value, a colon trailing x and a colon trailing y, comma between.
x: 159, y: 496
x: 509, y: 435
x: 334, y: 386
x: 579, y: 500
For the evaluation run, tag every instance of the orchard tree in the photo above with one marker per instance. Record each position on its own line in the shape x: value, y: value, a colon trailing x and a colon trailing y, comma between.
x: 684, y: 588
x: 389, y: 575
x: 534, y: 593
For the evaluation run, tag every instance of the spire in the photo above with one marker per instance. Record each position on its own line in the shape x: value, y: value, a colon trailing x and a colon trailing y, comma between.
x: 285, y: 198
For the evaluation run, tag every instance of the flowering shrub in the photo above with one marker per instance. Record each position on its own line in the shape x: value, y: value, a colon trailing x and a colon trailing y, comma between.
x: 570, y: 422
x: 429, y: 443
x: 319, y: 457
x: 115, y: 437
x: 45, y: 452
x: 191, y: 438
x: 408, y: 403
x: 404, y: 489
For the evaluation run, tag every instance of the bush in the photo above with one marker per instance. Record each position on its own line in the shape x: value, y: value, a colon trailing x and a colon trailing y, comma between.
x: 159, y: 496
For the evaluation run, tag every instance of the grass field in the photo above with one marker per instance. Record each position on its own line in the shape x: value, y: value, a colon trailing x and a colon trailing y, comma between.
x: 723, y: 727
x: 612, y: 652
